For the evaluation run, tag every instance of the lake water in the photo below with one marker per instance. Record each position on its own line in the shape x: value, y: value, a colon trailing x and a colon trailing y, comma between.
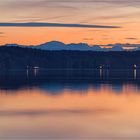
x: 85, y: 108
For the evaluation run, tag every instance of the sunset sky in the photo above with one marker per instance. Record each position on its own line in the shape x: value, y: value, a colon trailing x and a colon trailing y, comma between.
x: 124, y: 14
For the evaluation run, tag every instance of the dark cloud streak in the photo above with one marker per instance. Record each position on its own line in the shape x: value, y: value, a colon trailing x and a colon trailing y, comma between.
x: 42, y: 24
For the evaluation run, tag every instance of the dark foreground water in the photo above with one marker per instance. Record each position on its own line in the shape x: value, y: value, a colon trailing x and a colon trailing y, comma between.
x: 99, y: 104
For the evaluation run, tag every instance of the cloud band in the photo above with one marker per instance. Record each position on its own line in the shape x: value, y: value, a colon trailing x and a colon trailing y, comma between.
x: 42, y: 24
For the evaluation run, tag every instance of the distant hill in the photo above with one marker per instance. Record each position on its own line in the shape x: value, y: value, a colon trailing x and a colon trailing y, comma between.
x: 59, y: 46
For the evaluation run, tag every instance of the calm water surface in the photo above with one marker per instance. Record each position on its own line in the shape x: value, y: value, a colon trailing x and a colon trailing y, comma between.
x: 70, y: 110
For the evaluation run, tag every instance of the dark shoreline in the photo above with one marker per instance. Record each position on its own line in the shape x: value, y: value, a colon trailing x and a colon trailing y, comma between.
x: 23, y: 58
x: 11, y: 80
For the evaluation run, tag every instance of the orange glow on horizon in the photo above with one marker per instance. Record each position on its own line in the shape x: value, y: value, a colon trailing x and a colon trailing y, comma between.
x: 39, y: 35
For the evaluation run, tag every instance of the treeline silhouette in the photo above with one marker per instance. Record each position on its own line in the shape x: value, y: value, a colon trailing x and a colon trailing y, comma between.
x: 21, y: 58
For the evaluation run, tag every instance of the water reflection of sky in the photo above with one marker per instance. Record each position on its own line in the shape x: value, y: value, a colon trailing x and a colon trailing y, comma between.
x: 58, y: 88
x: 68, y: 110
x: 83, y: 87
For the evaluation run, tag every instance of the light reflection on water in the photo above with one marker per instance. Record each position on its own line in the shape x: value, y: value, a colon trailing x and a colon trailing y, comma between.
x: 75, y: 111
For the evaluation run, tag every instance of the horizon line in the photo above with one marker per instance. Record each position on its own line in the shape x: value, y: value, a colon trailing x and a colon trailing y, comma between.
x: 109, y: 44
